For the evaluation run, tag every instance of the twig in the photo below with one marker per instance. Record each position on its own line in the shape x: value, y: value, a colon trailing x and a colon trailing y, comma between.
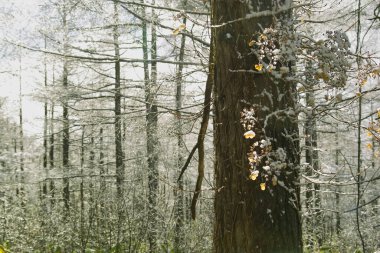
x: 184, y: 168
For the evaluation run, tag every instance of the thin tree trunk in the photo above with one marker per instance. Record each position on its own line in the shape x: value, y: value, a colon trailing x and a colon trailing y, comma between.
x: 91, y: 201
x: 45, y: 137
x: 313, y: 198
x: 375, y: 204
x: 102, y: 170
x: 179, y: 197
x: 203, y: 131
x: 359, y: 177
x: 21, y: 136
x: 317, y: 188
x: 338, y: 227
x: 151, y: 132
x: 120, y: 167
x: 102, y: 216
x: 65, y: 119
x: 309, y: 172
x: 51, y: 151
x: 81, y: 188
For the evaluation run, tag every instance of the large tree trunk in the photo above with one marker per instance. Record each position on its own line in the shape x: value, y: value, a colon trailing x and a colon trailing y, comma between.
x: 248, y: 219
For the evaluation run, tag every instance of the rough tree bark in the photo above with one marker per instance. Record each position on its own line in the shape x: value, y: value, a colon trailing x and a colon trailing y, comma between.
x: 248, y: 219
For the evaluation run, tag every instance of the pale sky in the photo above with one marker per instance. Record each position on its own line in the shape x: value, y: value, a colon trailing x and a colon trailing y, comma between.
x: 9, y: 82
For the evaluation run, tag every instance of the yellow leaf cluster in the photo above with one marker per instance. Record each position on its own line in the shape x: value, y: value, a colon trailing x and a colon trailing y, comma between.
x: 274, y: 180
x: 251, y: 43
x: 249, y: 134
x: 254, y: 175
x: 376, y: 72
x: 251, y: 159
x: 258, y: 67
x: 263, y: 37
x: 179, y: 29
